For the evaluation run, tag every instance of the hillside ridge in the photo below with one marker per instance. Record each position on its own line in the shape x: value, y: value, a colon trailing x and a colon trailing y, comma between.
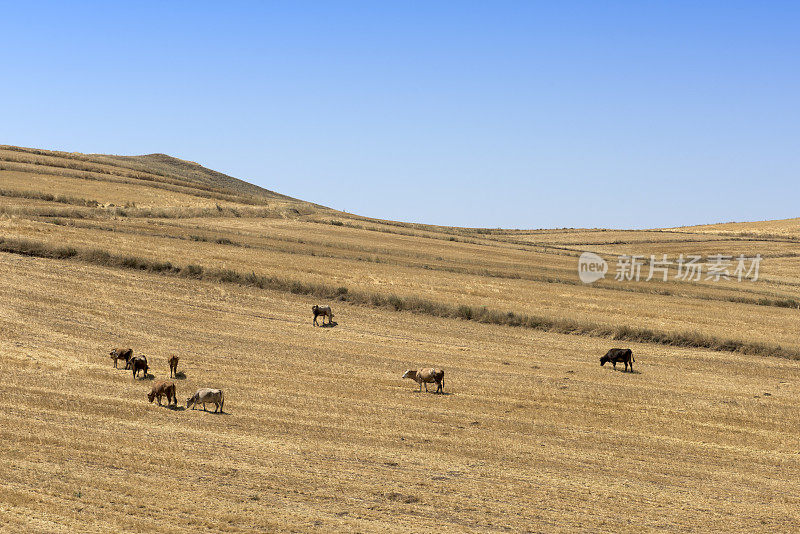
x: 156, y: 167
x: 161, y: 167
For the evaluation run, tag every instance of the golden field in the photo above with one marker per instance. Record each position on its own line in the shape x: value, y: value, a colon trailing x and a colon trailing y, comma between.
x: 319, y: 431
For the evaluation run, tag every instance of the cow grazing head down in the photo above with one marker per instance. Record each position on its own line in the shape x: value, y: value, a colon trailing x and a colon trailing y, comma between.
x: 615, y: 356
x: 151, y: 396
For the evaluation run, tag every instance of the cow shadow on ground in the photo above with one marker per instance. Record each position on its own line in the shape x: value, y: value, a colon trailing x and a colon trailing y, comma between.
x: 180, y: 376
x: 175, y: 407
x: 631, y: 372
x: 445, y: 393
x: 330, y: 325
x: 148, y: 376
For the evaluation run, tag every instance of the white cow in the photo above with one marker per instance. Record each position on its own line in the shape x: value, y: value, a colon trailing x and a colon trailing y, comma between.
x: 207, y: 395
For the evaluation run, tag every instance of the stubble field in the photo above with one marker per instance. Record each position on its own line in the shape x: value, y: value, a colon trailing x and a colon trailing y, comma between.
x: 319, y: 431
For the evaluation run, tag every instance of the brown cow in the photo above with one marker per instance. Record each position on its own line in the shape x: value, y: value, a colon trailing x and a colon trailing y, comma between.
x: 121, y: 354
x: 161, y: 389
x: 139, y: 363
x: 173, y: 366
x: 427, y: 376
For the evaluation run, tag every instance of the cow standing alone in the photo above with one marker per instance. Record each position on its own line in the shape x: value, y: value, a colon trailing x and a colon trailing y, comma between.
x: 618, y: 355
x: 324, y: 311
x: 427, y: 376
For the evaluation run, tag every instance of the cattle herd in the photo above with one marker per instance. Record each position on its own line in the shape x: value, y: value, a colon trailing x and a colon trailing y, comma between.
x: 425, y: 376
x: 166, y: 389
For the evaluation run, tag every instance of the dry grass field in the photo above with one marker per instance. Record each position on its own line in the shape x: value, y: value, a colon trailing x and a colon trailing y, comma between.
x: 319, y: 432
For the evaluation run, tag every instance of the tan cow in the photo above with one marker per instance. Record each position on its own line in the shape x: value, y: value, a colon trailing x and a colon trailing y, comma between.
x: 427, y: 376
x: 161, y: 389
x: 324, y: 311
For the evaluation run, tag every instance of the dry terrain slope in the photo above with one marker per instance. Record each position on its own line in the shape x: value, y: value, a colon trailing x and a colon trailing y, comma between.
x: 319, y: 433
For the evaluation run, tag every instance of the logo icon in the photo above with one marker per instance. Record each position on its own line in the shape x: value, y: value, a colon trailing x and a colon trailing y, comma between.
x: 591, y: 267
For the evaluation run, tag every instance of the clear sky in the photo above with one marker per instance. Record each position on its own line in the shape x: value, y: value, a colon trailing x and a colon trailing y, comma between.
x: 496, y: 114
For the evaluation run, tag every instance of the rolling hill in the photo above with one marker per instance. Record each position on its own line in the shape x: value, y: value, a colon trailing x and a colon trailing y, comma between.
x: 319, y: 431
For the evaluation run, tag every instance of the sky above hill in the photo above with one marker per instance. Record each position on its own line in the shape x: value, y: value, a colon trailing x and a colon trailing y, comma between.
x: 493, y: 114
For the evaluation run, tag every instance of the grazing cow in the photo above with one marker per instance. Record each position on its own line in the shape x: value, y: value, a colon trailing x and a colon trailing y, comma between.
x: 139, y: 363
x: 121, y: 354
x: 618, y: 355
x: 161, y: 389
x: 173, y: 366
x: 427, y: 376
x: 207, y: 395
x: 324, y: 311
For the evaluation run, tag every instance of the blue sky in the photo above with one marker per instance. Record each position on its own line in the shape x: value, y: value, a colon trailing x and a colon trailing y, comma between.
x: 493, y: 114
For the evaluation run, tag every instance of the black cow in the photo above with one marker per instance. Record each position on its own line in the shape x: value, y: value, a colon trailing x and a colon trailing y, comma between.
x: 618, y: 355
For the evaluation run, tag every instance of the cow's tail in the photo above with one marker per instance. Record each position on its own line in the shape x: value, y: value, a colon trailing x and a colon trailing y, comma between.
x: 221, y: 401
x: 632, y: 358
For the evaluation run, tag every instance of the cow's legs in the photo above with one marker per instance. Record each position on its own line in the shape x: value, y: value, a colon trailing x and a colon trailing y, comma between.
x: 615, y: 365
